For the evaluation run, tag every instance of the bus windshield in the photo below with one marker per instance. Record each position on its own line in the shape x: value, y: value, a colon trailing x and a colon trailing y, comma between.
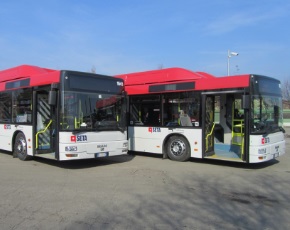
x: 92, y: 111
x: 267, y: 114
x: 92, y: 103
x: 266, y: 106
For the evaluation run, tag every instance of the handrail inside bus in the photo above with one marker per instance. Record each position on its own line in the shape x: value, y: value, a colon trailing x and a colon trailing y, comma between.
x: 41, y: 131
x: 209, y: 135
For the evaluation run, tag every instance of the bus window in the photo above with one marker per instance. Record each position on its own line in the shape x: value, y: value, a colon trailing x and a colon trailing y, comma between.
x: 5, y: 107
x: 181, y: 109
x: 22, y: 105
x: 145, y: 111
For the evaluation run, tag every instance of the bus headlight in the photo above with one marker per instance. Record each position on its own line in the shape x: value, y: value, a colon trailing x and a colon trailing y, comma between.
x: 71, y: 148
x: 125, y: 145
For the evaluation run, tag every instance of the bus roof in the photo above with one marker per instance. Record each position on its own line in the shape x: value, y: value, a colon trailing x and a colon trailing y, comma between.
x: 162, y: 76
x: 22, y: 71
x: 141, y: 82
x: 35, y: 74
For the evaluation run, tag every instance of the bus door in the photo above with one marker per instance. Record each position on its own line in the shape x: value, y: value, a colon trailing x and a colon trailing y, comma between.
x: 44, y: 128
x: 208, y: 102
x: 238, y: 121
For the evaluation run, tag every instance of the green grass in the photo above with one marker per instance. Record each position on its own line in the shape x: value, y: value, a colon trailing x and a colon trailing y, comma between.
x: 286, y: 115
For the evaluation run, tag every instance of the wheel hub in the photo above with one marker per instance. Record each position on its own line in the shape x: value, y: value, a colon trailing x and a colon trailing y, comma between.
x: 177, y: 147
x: 21, y: 147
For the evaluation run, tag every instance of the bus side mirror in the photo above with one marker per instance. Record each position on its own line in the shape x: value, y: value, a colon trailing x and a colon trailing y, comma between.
x: 246, y: 102
x: 52, y: 98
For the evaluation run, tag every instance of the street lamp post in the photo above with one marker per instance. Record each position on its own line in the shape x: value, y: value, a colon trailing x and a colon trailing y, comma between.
x: 230, y: 54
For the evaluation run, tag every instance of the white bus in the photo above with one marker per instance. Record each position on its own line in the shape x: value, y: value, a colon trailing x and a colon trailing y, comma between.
x: 61, y: 115
x: 183, y: 114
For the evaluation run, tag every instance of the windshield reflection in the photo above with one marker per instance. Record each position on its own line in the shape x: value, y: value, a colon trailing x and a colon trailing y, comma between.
x: 91, y: 111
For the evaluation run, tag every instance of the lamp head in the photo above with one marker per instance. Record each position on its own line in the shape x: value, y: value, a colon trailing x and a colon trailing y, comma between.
x: 234, y: 54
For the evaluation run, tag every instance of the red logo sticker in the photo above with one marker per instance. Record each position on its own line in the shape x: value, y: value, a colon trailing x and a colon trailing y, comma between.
x: 73, y: 138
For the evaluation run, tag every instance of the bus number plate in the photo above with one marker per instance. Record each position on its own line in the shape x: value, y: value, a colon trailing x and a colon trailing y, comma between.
x: 101, y: 155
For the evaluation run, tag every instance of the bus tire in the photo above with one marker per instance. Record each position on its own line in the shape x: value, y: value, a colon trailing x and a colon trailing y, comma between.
x: 177, y: 148
x: 20, y: 147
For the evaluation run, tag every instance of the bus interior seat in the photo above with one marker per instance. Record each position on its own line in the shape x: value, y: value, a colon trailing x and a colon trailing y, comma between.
x: 185, y: 120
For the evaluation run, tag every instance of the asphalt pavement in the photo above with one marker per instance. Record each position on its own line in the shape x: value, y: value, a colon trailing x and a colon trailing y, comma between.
x: 144, y: 192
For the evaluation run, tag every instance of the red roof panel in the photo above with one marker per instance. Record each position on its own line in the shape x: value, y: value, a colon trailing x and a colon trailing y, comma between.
x: 138, y: 83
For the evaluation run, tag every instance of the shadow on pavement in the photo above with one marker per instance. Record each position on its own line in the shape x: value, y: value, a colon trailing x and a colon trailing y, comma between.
x: 86, y: 163
x: 215, y: 162
x: 236, y: 164
x: 79, y: 164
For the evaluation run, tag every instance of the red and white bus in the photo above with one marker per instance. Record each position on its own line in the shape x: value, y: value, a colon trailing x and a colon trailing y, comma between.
x: 183, y: 114
x: 61, y: 115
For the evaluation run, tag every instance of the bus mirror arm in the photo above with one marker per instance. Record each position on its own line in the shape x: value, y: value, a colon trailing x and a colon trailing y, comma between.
x: 52, y: 97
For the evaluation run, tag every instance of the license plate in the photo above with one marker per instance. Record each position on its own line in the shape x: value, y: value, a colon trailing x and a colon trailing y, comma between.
x: 101, y: 154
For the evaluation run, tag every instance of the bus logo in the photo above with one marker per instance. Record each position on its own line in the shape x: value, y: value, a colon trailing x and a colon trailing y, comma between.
x: 265, y: 140
x: 154, y: 129
x: 79, y: 138
x: 7, y: 126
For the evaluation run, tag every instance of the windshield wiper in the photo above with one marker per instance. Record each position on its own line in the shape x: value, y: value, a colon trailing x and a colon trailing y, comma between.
x: 122, y: 129
x: 108, y: 125
x: 268, y: 129
x: 82, y: 129
x: 282, y: 129
x: 78, y: 131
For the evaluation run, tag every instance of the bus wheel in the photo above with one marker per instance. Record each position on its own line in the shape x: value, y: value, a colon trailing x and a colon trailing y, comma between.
x: 20, y: 147
x: 178, y: 148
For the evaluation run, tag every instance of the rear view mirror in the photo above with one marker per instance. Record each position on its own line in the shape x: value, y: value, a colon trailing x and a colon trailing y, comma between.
x: 246, y: 102
x: 52, y: 98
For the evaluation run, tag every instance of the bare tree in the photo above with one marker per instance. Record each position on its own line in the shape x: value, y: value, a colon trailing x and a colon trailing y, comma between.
x: 93, y: 69
x: 160, y: 66
x: 286, y: 90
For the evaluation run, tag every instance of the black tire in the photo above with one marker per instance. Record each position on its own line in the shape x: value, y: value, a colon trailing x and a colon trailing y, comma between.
x: 178, y: 149
x: 20, y: 147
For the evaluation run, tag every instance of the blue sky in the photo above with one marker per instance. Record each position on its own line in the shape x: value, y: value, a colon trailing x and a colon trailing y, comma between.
x: 116, y: 37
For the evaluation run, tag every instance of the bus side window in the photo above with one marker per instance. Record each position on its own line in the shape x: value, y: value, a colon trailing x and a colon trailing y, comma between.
x: 5, y: 107
x: 22, y: 105
x: 40, y: 125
